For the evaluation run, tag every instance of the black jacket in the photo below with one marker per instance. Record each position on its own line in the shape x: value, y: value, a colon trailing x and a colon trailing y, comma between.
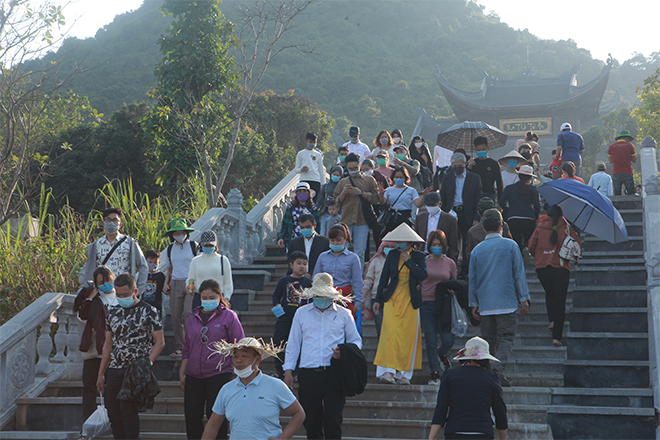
x: 351, y: 369
x: 390, y: 277
x: 319, y: 244
x: 471, y: 193
x: 139, y: 385
x: 443, y: 302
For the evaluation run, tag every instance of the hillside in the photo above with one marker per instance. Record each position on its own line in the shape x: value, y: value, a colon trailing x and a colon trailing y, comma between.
x: 372, y: 63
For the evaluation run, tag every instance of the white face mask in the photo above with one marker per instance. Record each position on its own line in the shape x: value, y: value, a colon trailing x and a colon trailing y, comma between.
x: 368, y: 173
x: 433, y: 210
x: 419, y: 144
x: 245, y: 372
x: 180, y: 238
x: 397, y: 140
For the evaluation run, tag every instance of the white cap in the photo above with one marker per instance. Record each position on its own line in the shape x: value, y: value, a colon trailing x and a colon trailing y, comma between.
x: 566, y: 126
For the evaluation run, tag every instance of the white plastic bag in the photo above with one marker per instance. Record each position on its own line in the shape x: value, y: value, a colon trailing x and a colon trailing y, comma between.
x: 459, y: 322
x: 98, y: 424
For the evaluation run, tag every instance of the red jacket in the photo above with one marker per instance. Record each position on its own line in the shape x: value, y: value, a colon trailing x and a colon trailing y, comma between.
x: 543, y: 251
x: 94, y: 312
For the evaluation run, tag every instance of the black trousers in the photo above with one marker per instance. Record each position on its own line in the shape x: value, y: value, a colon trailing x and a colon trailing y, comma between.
x: 89, y: 375
x: 280, y: 335
x: 315, y: 186
x: 464, y: 225
x: 467, y: 436
x: 521, y: 230
x: 323, y: 400
x: 123, y: 414
x: 555, y: 283
x: 198, y: 399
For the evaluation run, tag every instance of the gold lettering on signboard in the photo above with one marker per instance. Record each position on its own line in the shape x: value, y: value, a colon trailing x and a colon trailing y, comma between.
x: 519, y: 127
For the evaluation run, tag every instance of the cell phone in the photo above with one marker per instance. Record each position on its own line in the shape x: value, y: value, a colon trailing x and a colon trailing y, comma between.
x: 90, y: 283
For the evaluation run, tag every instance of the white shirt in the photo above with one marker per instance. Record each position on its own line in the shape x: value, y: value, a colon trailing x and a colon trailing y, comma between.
x: 314, y: 334
x: 313, y: 159
x: 182, y: 255
x: 458, y: 195
x: 375, y: 152
x: 432, y: 224
x: 358, y: 148
x: 204, y: 267
x: 509, y: 178
x: 119, y: 262
x: 441, y: 157
x: 602, y: 182
x: 308, y: 247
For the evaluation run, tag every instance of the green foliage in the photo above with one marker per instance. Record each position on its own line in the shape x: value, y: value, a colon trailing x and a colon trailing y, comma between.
x: 648, y: 115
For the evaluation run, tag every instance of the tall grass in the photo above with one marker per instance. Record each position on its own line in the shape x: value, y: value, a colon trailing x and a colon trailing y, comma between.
x: 51, y: 261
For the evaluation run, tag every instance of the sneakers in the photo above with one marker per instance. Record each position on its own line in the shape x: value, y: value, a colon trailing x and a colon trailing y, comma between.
x: 445, y: 362
x: 435, y: 379
x: 504, y: 381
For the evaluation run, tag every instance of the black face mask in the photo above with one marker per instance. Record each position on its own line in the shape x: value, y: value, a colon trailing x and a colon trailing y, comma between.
x: 527, y: 155
x: 458, y: 170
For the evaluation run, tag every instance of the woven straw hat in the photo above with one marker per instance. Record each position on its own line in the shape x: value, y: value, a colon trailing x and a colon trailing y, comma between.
x: 225, y: 348
x: 323, y: 287
x: 475, y: 349
x: 403, y: 234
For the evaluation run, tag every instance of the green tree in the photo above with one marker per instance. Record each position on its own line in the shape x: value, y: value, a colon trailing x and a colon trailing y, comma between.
x: 648, y: 114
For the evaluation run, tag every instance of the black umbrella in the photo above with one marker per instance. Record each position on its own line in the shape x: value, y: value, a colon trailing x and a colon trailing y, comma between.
x: 462, y: 136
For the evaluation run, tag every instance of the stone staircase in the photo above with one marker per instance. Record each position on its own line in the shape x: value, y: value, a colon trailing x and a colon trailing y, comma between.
x: 566, y: 392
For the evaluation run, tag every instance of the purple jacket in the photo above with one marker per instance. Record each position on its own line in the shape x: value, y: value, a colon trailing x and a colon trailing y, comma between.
x: 223, y: 324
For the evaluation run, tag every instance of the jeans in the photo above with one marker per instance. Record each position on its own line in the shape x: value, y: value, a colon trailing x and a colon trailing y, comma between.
x: 555, y: 283
x: 180, y: 308
x: 500, y: 331
x: 89, y: 375
x: 123, y: 414
x: 360, y: 236
x: 281, y: 334
x: 198, y: 399
x: 431, y: 326
x: 323, y: 400
x: 623, y: 179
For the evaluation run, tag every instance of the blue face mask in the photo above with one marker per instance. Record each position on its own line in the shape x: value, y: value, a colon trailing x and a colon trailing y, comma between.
x: 106, y: 287
x: 335, y: 178
x: 307, y: 232
x: 399, y: 182
x: 126, y: 302
x: 386, y: 251
x: 210, y: 305
x: 436, y: 250
x: 322, y: 303
x: 512, y: 163
x: 482, y: 154
x: 402, y: 246
x: 337, y: 247
x: 208, y: 250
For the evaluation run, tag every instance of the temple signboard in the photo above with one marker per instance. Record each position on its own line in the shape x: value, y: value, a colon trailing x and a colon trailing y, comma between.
x: 518, y: 127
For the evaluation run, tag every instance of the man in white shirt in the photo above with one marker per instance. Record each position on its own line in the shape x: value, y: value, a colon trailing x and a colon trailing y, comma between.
x: 356, y: 146
x: 316, y: 333
x: 602, y: 181
x: 309, y: 164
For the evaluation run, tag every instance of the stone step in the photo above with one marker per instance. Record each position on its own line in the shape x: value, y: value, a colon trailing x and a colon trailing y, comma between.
x: 612, y: 397
x: 617, y: 255
x: 597, y: 422
x: 607, y: 346
x: 611, y: 296
x: 251, y: 279
x: 612, y: 319
x: 610, y: 275
x: 634, y: 243
x: 606, y: 374
x: 272, y: 250
x: 638, y: 260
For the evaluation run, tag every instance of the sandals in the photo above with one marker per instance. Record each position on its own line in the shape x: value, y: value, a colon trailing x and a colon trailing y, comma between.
x: 557, y: 343
x: 387, y: 379
x: 175, y: 354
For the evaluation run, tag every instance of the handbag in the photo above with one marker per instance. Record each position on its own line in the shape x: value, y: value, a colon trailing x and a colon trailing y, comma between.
x: 389, y: 214
x: 98, y: 424
x: 459, y: 321
x: 570, y: 249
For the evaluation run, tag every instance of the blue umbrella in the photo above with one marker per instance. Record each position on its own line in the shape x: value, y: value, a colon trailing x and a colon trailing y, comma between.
x: 586, y: 208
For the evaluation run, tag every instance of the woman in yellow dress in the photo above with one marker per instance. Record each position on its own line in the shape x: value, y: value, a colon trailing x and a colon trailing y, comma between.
x: 399, y: 298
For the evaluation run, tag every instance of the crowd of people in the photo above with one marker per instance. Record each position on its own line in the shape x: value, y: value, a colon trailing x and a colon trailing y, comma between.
x: 451, y: 232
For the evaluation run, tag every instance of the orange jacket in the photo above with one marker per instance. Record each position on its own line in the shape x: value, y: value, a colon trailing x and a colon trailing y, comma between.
x: 544, y: 253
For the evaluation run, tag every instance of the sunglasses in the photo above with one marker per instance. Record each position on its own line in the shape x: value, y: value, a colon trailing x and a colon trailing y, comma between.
x: 204, y: 338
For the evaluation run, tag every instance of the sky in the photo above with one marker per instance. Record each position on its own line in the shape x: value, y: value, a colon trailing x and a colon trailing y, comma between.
x: 622, y: 29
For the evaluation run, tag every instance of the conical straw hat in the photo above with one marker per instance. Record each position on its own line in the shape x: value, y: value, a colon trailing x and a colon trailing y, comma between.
x: 513, y: 154
x: 403, y: 233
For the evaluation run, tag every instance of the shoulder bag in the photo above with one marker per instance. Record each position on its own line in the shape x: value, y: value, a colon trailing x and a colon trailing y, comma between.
x: 570, y: 249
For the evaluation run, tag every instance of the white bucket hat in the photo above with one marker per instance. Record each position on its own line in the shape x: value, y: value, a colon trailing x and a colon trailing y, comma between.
x: 323, y: 287
x: 403, y: 234
x: 305, y: 185
x: 475, y: 349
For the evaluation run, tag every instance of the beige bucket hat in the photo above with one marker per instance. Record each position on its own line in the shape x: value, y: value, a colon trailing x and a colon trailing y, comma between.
x: 475, y: 349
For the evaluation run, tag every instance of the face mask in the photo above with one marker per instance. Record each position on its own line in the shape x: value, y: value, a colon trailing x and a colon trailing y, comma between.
x: 208, y: 250
x: 126, y: 302
x: 527, y: 155
x: 436, y: 250
x: 335, y: 179
x: 482, y: 154
x: 337, y: 247
x: 368, y: 173
x: 322, y: 303
x: 110, y: 227
x: 152, y: 266
x: 106, y: 287
x: 402, y: 246
x: 179, y: 238
x: 311, y: 146
x: 384, y: 141
x: 401, y: 156
x: 397, y: 140
x: 459, y: 170
x: 244, y: 373
x: 386, y: 251
x: 307, y: 232
x: 303, y: 196
x: 211, y: 304
x: 381, y: 162
x: 342, y: 158
x: 353, y: 173
x: 433, y: 210
x: 354, y: 140
x: 512, y: 163
x: 399, y: 182
x: 419, y: 144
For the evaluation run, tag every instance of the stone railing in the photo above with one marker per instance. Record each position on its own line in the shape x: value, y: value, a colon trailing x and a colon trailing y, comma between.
x: 241, y: 236
x: 38, y: 346
x: 651, y: 213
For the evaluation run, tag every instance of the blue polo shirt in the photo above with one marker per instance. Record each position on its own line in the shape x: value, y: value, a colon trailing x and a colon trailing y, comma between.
x: 571, y: 144
x: 253, y: 410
